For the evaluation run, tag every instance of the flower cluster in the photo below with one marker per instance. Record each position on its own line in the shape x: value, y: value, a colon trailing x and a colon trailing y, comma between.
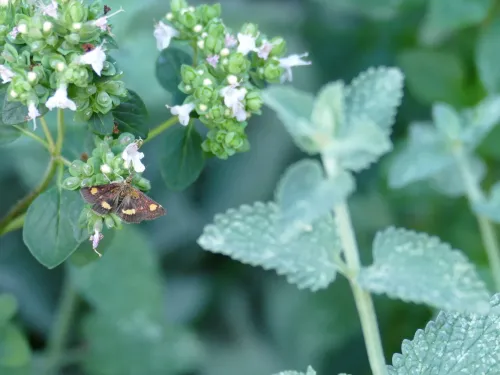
x: 112, y: 159
x: 228, y: 72
x: 53, y: 55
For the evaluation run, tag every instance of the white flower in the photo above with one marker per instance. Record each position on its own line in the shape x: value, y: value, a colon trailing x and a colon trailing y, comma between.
x: 14, y: 32
x: 6, y: 74
x: 213, y: 60
x: 132, y: 155
x: 4, y: 3
x: 95, y: 238
x: 289, y: 62
x: 106, y: 169
x: 233, y: 99
x: 102, y: 22
x: 33, y: 113
x: 230, y: 41
x: 163, y: 34
x: 182, y: 111
x: 60, y: 100
x: 246, y: 43
x: 50, y: 9
x: 265, y: 49
x: 95, y: 58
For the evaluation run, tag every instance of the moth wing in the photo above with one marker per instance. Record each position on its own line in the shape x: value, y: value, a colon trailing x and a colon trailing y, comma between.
x: 137, y: 207
x: 94, y: 194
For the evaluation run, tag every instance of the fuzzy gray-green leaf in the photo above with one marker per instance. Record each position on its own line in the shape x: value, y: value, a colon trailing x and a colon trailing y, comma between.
x: 419, y: 268
x: 251, y: 234
x: 375, y: 94
x: 305, y: 195
x: 454, y: 343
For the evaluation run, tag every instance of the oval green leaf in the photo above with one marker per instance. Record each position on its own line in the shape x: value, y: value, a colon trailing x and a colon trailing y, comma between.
x: 102, y: 124
x: 183, y: 161
x: 168, y: 71
x: 8, y: 134
x: 8, y: 308
x: 14, y: 348
x: 51, y: 230
x: 132, y: 116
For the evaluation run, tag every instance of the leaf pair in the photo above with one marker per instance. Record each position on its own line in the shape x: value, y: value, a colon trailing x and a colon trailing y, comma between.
x: 348, y: 124
x: 432, y: 149
x: 295, y: 236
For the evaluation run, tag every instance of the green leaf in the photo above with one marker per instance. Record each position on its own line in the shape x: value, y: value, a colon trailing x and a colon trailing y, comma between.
x: 450, y: 181
x: 305, y: 195
x: 8, y: 308
x: 128, y: 264
x: 8, y: 134
x: 359, y: 144
x: 328, y: 110
x: 14, y: 348
x: 446, y: 16
x: 51, y: 230
x: 433, y: 75
x: 168, y: 71
x: 401, y: 257
x: 375, y: 95
x: 480, y: 120
x: 447, y: 121
x: 183, y: 159
x: 491, y: 206
x: 310, y: 371
x: 453, y: 344
x: 251, y: 235
x: 294, y: 109
x: 102, y: 124
x: 424, y: 156
x: 132, y: 116
x: 135, y: 347
x: 487, y: 56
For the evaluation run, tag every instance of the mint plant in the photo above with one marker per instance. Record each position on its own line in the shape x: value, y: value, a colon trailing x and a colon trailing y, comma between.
x: 62, y: 90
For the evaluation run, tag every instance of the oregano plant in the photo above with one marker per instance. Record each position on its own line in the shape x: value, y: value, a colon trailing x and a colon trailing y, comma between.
x: 63, y: 91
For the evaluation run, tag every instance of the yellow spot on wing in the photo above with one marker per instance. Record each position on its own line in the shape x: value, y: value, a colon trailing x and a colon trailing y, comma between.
x: 93, y: 191
x: 153, y: 207
x: 106, y: 205
x: 130, y: 211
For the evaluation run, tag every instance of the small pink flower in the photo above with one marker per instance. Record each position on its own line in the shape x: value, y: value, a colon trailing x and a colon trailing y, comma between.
x: 289, y: 62
x: 230, y: 41
x: 213, y: 60
x: 265, y: 50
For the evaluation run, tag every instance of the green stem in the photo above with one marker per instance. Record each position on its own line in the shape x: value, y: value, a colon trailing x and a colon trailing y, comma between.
x: 488, y: 235
x: 195, y: 54
x: 60, y: 131
x: 161, y: 128
x: 23, y: 204
x: 60, y: 330
x: 48, y: 135
x: 15, y: 224
x: 362, y: 298
x: 33, y: 136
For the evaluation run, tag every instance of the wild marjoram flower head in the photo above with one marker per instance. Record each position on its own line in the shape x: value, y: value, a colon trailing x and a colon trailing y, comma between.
x: 54, y: 55
x: 224, y: 85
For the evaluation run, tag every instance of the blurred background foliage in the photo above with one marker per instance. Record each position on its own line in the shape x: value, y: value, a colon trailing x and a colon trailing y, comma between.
x: 158, y: 304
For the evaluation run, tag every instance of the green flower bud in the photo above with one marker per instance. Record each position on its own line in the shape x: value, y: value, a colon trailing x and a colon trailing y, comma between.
x: 186, y: 89
x: 71, y: 183
x: 72, y: 38
x: 109, y: 157
x: 188, y: 74
x: 213, y: 45
x: 103, y: 102
x: 209, y: 12
x: 117, y: 220
x: 217, y: 149
x: 143, y: 184
x: 76, y: 168
x: 217, y: 113
x: 97, y: 224
x: 124, y: 139
x: 100, y: 179
x: 37, y: 45
x: 205, y: 94
x: 216, y: 29
x: 86, y: 182
x: 254, y: 101
x: 83, y: 115
x: 10, y: 53
x: 250, y: 29
x: 279, y: 47
x: 115, y: 88
x: 110, y: 223
x: 108, y: 69
x: 237, y: 64
x: 273, y: 72
x: 76, y: 12
x: 52, y: 40
x: 188, y: 19
x: 88, y: 169
x: 177, y: 5
x: 85, y: 215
